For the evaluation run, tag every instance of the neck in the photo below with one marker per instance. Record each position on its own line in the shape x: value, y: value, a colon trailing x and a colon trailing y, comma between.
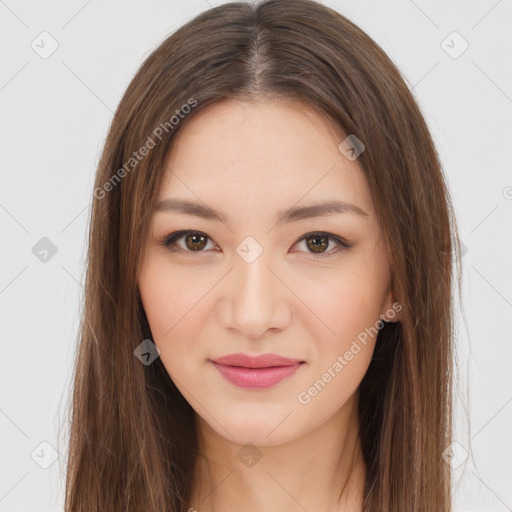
x: 323, y: 470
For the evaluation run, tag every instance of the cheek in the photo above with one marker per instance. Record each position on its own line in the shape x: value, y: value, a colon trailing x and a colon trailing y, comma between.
x: 157, y: 297
x: 344, y: 344
x: 174, y: 309
x: 168, y: 296
x: 351, y: 302
x: 347, y: 312
x: 347, y: 347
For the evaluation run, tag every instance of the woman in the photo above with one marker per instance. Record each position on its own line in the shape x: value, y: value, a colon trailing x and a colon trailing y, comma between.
x: 268, y: 311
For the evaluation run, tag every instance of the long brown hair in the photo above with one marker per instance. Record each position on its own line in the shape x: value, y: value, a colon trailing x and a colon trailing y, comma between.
x: 132, y: 437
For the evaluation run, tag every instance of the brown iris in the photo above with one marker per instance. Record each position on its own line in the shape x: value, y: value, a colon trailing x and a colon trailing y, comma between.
x: 318, y: 242
x: 195, y: 241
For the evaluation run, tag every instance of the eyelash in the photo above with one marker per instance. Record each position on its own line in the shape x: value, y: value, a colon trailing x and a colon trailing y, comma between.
x: 171, y: 239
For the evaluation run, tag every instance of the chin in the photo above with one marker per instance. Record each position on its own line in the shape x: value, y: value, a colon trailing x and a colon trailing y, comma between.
x: 259, y: 431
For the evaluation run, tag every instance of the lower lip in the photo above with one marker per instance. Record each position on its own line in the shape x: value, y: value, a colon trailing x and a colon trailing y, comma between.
x: 259, y: 378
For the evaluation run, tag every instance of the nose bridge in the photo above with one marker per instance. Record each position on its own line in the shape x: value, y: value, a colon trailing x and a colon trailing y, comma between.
x: 256, y: 297
x: 253, y: 275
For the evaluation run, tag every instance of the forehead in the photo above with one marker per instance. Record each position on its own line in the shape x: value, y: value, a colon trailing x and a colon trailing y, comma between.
x: 265, y: 153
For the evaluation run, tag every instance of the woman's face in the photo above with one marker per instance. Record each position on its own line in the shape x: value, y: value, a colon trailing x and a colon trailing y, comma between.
x: 249, y: 283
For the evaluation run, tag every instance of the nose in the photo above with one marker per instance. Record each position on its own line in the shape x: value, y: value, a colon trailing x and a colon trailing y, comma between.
x: 255, y: 299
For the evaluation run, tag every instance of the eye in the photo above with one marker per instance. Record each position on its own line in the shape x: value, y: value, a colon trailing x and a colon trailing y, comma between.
x: 196, y: 241
x: 318, y: 242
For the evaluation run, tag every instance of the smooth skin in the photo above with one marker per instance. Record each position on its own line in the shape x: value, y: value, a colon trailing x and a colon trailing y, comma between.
x: 204, y: 300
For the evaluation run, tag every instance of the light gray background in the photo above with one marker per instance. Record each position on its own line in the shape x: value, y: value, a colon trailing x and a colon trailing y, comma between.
x: 55, y: 113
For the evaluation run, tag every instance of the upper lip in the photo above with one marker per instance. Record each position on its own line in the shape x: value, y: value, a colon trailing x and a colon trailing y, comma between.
x: 261, y: 361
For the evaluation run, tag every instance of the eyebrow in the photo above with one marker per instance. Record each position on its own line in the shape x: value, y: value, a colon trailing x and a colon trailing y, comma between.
x: 176, y: 205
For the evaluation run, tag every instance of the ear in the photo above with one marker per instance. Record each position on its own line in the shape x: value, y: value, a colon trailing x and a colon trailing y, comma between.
x: 392, y: 311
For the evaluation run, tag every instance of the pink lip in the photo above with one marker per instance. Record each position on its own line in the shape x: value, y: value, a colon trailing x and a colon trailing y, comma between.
x: 260, y: 372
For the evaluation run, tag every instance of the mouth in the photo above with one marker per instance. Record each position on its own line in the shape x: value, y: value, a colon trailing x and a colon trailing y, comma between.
x: 259, y: 372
